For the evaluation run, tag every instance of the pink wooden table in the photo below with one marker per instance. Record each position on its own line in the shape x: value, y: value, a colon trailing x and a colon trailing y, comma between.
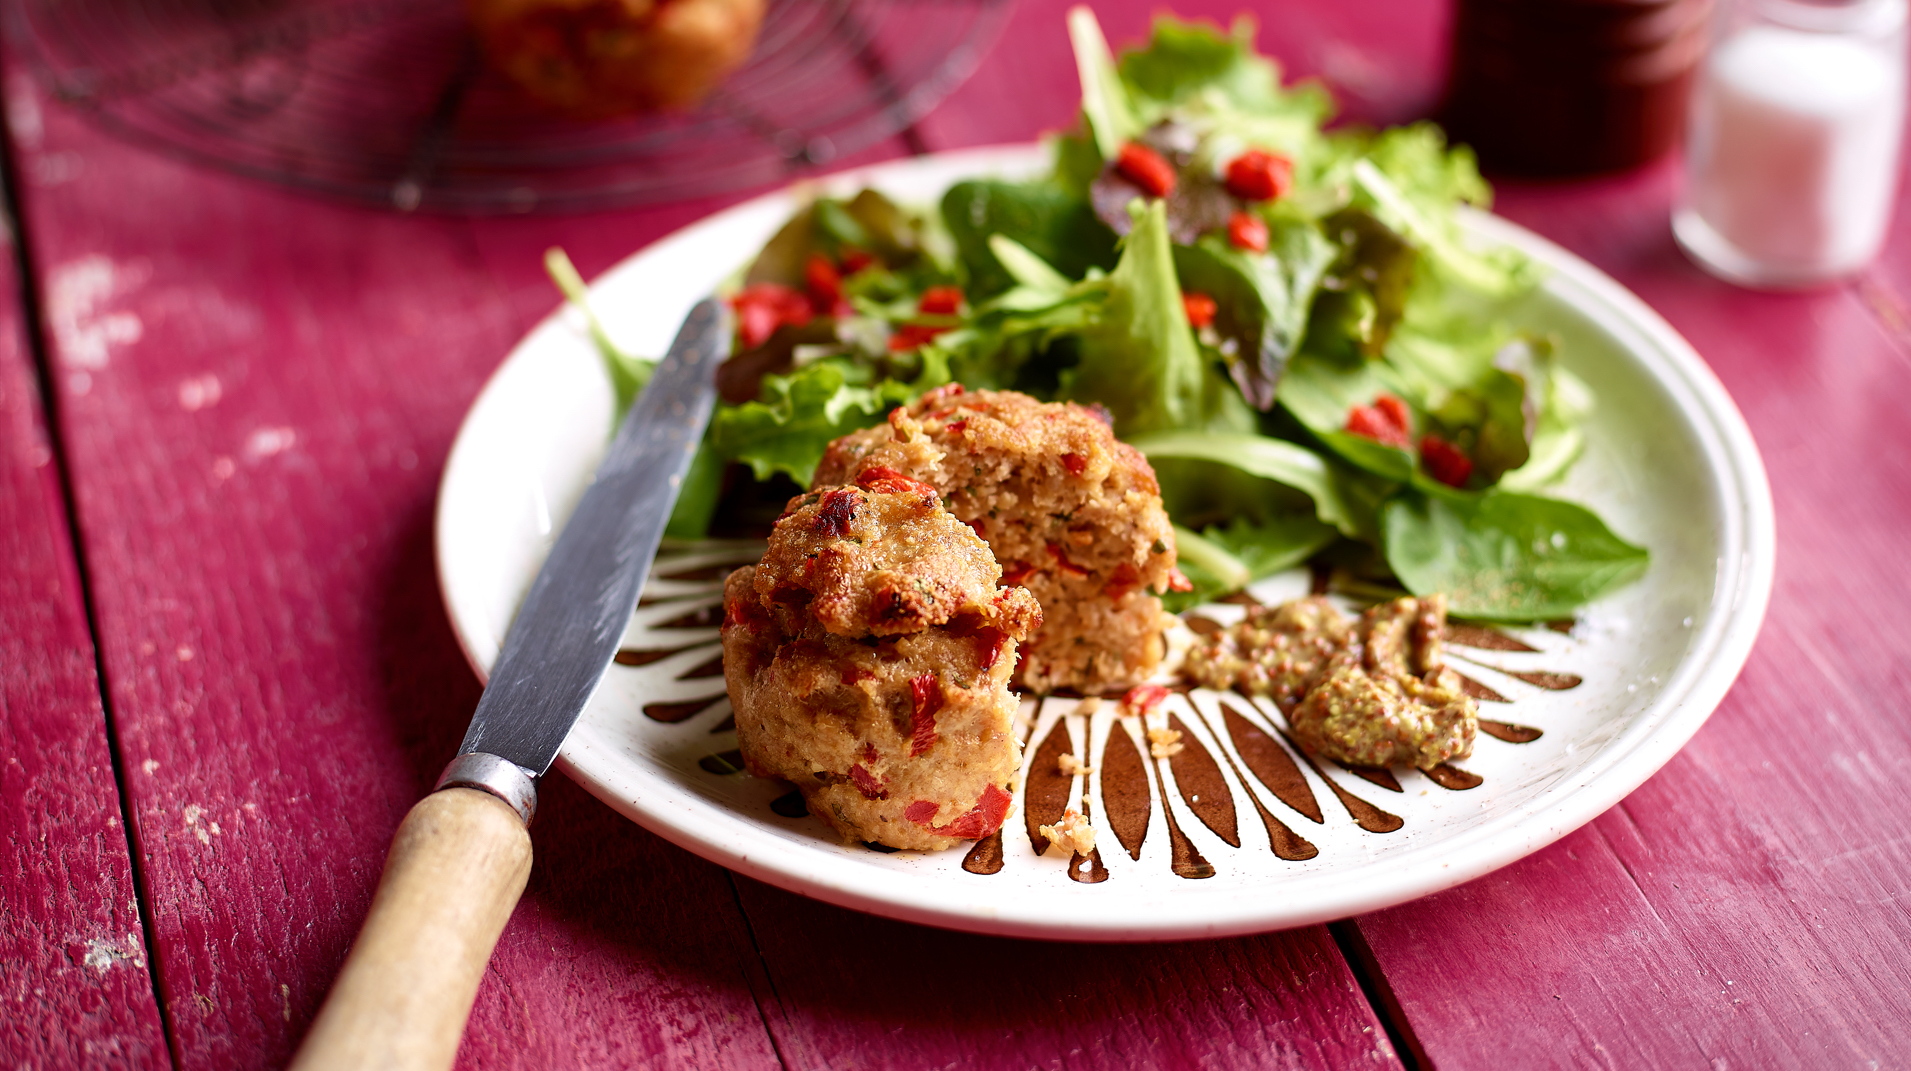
x: 223, y: 413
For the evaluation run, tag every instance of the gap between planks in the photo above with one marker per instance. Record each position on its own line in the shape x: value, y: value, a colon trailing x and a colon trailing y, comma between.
x: 34, y: 327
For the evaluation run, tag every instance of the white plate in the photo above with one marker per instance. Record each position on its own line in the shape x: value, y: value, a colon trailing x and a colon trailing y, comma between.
x: 1670, y: 466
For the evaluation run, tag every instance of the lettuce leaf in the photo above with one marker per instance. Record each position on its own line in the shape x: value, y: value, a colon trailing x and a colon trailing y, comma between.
x: 1262, y: 301
x: 1222, y: 560
x: 1503, y: 556
x: 1109, y: 113
x: 1139, y: 357
x: 1270, y: 459
x: 800, y: 414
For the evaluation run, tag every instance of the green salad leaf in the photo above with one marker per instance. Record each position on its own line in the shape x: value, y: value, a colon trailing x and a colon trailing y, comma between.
x: 1225, y: 559
x: 1050, y: 221
x: 800, y: 414
x: 1505, y: 556
x: 1139, y: 356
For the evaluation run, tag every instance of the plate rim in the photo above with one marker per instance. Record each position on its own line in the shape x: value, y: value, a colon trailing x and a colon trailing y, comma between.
x: 1699, y: 681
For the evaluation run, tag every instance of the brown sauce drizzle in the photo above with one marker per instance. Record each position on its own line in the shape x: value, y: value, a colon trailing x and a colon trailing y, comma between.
x: 723, y: 763
x: 1124, y: 789
x: 1046, y: 789
x: 790, y: 805
x: 1564, y: 625
x: 1184, y: 859
x: 1204, y: 626
x: 672, y: 713
x: 1552, y: 682
x: 1282, y: 841
x: 1093, y: 874
x: 701, y: 572
x: 986, y: 856
x: 703, y: 617
x: 711, y: 668
x: 1272, y: 764
x: 1202, y: 787
x: 1487, y: 639
x: 728, y: 724
x: 1479, y: 691
x: 1374, y: 775
x: 883, y: 848
x: 1365, y: 815
x: 1507, y: 731
x: 631, y: 656
x: 1241, y: 598
x: 1453, y: 778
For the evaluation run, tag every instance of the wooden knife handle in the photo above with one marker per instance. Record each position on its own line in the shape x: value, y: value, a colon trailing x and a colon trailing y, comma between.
x: 457, y: 867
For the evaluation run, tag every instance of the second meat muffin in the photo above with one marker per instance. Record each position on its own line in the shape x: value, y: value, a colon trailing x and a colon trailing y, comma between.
x: 1069, y: 511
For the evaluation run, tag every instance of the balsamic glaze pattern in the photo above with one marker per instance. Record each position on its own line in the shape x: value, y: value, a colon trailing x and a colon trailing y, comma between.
x: 1234, y: 749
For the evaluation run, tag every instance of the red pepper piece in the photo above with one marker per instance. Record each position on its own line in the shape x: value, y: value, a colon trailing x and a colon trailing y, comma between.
x: 1014, y: 572
x: 838, y: 512
x: 1200, y: 309
x: 955, y: 425
x: 976, y: 527
x: 1123, y: 580
x: 855, y: 675
x: 867, y: 783
x: 1387, y: 421
x: 884, y: 480
x: 1076, y: 464
x: 1247, y: 231
x: 1062, y: 563
x: 1395, y: 410
x: 1145, y: 168
x: 979, y: 821
x: 855, y: 260
x: 1444, y: 461
x: 909, y: 336
x: 925, y: 695
x: 761, y: 308
x: 989, y: 643
x: 825, y: 286
x: 1142, y: 699
x: 1178, y: 580
x: 940, y: 301
x: 1256, y: 175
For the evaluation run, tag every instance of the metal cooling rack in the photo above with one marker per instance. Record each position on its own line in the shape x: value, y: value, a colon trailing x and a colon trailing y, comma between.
x: 388, y: 101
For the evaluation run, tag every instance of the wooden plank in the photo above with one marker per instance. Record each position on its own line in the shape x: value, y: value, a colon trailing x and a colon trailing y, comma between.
x: 856, y: 991
x: 259, y: 391
x: 1746, y: 907
x: 75, y: 990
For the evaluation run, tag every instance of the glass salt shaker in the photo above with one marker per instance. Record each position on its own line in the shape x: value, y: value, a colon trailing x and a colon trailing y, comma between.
x: 1793, y: 147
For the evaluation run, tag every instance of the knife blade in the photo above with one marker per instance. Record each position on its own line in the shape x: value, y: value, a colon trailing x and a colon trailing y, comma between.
x: 461, y: 858
x: 568, y: 628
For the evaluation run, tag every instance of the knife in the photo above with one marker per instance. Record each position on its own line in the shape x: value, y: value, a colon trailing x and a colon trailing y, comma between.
x: 461, y: 857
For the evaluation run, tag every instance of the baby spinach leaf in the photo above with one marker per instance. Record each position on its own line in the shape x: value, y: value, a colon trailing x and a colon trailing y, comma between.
x: 1504, y: 556
x: 1049, y: 221
x: 1222, y: 560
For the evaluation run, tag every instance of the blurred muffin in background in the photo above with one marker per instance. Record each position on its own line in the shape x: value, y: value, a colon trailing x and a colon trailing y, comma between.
x: 594, y: 59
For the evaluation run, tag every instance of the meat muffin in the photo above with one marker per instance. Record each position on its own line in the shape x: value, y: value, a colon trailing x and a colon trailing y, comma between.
x: 594, y: 59
x: 868, y: 659
x: 1069, y: 511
